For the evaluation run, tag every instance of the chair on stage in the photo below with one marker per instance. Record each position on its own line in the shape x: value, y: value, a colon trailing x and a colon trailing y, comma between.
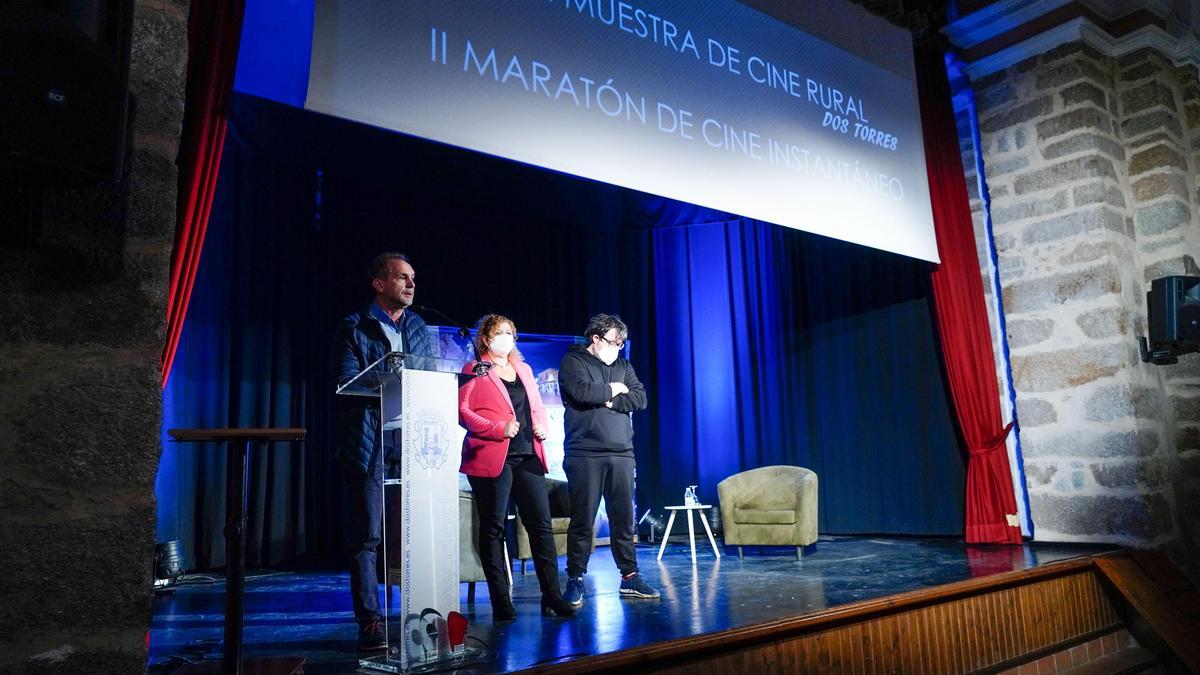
x: 470, y: 566
x: 770, y: 506
x: 560, y: 520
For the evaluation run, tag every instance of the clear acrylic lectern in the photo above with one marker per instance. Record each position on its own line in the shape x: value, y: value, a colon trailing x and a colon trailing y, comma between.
x: 421, y: 442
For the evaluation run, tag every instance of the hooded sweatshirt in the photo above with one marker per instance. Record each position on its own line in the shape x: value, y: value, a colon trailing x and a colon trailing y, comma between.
x: 591, y: 427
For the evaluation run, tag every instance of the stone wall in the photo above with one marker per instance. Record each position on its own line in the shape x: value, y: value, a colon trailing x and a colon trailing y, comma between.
x: 79, y: 376
x: 1091, y: 163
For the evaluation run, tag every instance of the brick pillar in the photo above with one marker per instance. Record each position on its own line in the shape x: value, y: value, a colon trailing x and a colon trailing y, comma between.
x: 1094, y: 425
x: 79, y: 376
x: 1160, y: 125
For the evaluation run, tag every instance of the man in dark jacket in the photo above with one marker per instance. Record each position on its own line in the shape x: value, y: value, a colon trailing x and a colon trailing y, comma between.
x: 361, y: 339
x: 600, y: 390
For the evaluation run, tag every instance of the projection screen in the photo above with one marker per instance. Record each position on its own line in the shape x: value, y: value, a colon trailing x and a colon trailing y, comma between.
x: 708, y: 102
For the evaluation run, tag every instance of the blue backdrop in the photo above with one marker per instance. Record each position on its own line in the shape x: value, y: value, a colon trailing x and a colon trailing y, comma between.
x: 759, y: 345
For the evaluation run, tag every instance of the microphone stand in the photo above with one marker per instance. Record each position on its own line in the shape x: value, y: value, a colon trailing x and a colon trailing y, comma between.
x: 481, y: 367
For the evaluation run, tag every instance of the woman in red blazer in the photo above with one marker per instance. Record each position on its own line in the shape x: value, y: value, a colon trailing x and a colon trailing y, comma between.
x: 504, y: 460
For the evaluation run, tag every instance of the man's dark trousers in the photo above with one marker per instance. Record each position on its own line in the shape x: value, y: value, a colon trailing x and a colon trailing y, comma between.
x: 366, y: 521
x: 589, y: 477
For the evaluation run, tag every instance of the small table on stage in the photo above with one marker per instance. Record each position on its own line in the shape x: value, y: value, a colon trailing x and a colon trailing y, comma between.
x: 238, y: 447
x: 698, y: 508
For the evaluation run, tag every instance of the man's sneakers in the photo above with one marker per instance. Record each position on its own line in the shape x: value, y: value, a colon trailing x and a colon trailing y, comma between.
x: 370, y: 635
x: 575, y: 592
x: 632, y: 586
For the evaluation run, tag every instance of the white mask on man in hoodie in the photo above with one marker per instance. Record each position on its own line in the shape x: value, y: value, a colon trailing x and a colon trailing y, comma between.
x: 608, y: 354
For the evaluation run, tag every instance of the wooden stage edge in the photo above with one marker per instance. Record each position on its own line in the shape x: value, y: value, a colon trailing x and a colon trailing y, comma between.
x: 987, y: 624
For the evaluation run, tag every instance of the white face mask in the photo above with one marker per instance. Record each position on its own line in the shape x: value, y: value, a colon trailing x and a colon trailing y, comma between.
x: 608, y: 354
x: 501, y: 345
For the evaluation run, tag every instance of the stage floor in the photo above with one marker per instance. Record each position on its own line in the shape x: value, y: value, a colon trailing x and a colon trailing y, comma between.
x: 309, y: 614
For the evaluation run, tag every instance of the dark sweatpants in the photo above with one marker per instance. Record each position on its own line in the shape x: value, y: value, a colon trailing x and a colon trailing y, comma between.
x: 589, y: 478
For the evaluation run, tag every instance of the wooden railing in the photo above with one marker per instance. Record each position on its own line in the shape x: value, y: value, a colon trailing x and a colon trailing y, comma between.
x: 985, y: 624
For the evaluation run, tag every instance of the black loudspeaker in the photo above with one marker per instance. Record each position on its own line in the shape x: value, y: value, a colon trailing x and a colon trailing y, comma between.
x: 64, y: 88
x: 1173, y: 309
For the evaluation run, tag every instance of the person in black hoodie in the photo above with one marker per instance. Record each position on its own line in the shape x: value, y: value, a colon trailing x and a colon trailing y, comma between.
x: 600, y: 390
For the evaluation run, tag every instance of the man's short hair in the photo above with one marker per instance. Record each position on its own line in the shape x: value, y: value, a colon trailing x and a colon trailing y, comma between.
x: 379, y: 265
x: 602, y: 323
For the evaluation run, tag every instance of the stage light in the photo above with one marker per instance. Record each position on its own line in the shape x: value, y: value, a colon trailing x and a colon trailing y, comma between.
x: 653, y: 525
x: 715, y: 522
x: 168, y: 562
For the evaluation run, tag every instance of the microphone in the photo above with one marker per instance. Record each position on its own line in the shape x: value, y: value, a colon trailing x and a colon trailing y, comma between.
x: 425, y: 309
x: 481, y: 367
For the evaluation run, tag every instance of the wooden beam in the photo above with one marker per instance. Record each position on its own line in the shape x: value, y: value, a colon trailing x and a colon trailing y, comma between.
x: 1181, y: 634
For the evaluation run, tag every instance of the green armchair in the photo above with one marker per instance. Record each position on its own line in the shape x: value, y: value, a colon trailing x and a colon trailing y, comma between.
x: 770, y: 506
x: 470, y: 567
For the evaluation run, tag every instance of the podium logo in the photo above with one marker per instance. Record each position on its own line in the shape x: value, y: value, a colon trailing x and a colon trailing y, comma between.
x: 432, y: 440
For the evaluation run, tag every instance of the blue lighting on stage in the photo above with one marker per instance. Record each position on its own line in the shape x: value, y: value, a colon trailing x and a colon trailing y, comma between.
x: 276, y: 46
x: 309, y: 613
x: 762, y: 345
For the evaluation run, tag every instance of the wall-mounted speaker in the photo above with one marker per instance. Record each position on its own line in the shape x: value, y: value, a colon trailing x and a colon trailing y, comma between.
x: 64, y: 88
x: 1173, y: 318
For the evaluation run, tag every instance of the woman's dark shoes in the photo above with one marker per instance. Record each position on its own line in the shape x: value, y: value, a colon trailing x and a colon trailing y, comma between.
x: 502, y: 609
x: 554, y: 605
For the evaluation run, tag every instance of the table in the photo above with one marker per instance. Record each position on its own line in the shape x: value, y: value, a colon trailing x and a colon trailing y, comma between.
x: 701, y: 508
x: 238, y: 447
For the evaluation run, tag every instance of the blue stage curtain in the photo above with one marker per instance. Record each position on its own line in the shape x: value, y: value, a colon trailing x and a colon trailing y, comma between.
x: 775, y: 347
x: 759, y: 345
x: 246, y: 360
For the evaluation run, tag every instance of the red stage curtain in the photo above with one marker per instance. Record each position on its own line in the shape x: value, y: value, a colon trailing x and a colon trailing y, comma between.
x: 214, y: 35
x: 991, y: 507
